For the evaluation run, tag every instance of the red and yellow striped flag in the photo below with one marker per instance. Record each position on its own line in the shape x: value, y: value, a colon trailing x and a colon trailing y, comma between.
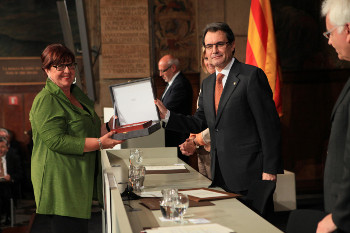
x: 261, y: 46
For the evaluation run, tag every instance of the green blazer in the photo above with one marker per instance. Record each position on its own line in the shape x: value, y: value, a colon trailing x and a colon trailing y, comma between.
x: 64, y: 177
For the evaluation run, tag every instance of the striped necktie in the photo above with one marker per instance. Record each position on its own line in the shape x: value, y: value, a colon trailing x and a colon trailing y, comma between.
x: 218, y: 90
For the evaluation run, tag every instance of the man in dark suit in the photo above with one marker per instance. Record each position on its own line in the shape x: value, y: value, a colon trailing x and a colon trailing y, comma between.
x: 10, y: 172
x: 245, y: 128
x: 337, y: 168
x: 177, y: 97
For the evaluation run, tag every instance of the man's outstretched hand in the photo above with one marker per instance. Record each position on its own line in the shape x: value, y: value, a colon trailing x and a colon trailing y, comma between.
x: 161, y: 107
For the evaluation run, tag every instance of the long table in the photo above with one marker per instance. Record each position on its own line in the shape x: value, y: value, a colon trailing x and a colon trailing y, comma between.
x: 131, y: 216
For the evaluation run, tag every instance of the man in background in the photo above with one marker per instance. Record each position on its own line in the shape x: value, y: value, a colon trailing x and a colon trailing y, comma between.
x: 10, y: 173
x: 177, y: 97
x: 337, y: 168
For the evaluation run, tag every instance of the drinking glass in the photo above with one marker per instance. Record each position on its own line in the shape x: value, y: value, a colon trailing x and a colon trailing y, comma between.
x: 167, y: 203
x: 181, y: 205
x: 135, y: 157
x: 137, y: 177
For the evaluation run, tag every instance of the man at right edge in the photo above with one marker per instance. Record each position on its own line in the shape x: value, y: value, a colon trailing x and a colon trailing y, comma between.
x: 337, y: 168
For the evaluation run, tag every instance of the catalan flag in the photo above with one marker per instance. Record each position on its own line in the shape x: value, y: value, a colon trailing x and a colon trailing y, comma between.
x: 261, y: 46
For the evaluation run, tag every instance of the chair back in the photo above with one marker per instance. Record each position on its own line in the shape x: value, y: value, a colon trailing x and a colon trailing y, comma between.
x: 304, y: 221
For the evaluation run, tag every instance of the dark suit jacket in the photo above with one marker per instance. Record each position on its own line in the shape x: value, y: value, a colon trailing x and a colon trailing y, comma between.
x: 14, y: 169
x: 337, y: 169
x: 178, y: 98
x: 14, y: 165
x: 245, y: 134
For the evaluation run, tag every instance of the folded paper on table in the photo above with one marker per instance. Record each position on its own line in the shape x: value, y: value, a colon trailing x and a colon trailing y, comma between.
x: 199, y: 228
x: 134, y: 105
x: 166, y: 169
x: 206, y: 194
x: 153, y: 203
x: 151, y: 194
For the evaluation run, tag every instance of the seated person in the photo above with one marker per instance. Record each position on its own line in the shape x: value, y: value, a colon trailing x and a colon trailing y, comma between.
x: 10, y: 172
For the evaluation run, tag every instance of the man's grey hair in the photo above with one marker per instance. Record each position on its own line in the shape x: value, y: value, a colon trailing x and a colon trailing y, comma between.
x: 3, y: 139
x: 338, y: 12
x: 4, y: 130
x: 174, y: 61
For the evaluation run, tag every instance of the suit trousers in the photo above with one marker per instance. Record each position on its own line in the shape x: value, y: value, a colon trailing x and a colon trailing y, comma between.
x: 204, y: 161
x: 5, y: 196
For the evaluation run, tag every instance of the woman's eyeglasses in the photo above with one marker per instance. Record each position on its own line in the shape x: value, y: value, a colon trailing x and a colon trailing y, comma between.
x: 62, y: 67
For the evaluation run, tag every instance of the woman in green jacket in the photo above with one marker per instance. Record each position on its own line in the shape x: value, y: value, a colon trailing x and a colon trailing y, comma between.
x: 66, y: 169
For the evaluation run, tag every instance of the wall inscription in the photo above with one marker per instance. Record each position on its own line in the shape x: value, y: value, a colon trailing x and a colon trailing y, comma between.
x: 20, y: 69
x: 125, y: 39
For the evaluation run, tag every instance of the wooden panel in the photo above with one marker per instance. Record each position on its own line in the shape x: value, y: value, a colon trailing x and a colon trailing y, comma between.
x: 2, y: 122
x: 16, y: 101
x: 124, y: 39
x: 13, y: 114
x: 308, y: 99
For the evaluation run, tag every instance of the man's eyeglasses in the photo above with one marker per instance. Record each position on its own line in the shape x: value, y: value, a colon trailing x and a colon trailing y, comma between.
x: 218, y: 45
x: 163, y: 71
x: 327, y: 34
x: 62, y: 67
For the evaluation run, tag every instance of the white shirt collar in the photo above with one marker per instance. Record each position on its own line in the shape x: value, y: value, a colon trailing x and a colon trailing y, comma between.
x: 3, y: 158
x: 172, y: 80
x: 226, y: 71
x: 169, y: 83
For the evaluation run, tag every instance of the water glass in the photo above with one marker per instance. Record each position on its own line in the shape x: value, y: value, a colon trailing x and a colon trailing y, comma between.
x: 181, y: 204
x: 137, y: 177
x: 136, y: 157
x: 167, y: 203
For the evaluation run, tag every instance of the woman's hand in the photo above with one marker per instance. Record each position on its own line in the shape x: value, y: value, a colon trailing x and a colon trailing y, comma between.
x: 111, y: 125
x: 108, y: 142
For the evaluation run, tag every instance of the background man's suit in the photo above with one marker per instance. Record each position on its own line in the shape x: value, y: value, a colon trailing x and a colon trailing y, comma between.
x: 337, y: 169
x: 178, y: 98
x: 14, y: 169
x: 245, y: 133
x: 14, y: 165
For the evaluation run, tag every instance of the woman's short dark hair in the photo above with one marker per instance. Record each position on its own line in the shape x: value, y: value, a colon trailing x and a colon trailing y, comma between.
x: 55, y: 54
x: 219, y: 26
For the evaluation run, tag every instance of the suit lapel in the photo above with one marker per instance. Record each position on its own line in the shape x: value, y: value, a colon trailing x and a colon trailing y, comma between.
x: 166, y: 93
x: 341, y: 97
x: 211, y: 93
x: 231, y: 84
x: 169, y: 90
x: 177, y: 79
